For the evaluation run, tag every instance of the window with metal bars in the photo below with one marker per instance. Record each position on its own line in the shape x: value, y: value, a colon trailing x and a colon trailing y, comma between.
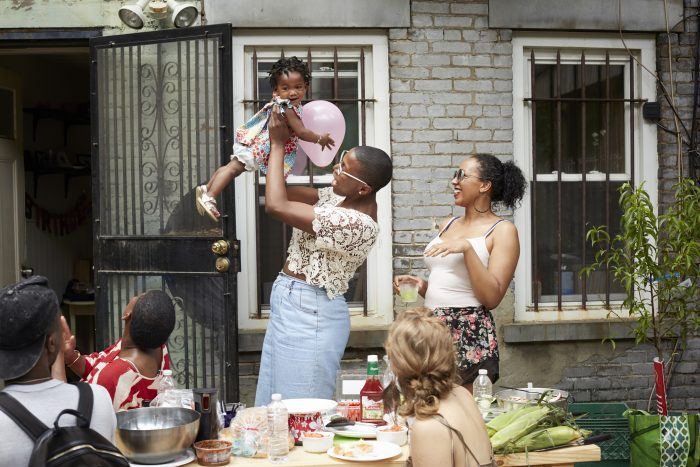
x: 338, y: 75
x: 581, y: 115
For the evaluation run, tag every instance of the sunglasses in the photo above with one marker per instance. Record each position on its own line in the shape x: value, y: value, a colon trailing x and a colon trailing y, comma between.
x: 460, y: 175
x: 339, y: 169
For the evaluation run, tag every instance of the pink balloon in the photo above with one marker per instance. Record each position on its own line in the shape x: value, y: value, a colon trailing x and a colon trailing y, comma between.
x: 323, y: 117
x: 300, y: 163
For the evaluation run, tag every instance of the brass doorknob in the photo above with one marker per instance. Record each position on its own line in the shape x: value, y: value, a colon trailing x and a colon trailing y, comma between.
x: 220, y: 247
x: 222, y: 264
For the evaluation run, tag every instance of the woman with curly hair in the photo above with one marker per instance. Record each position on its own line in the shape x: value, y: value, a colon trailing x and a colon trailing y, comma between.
x: 448, y: 428
x: 472, y: 261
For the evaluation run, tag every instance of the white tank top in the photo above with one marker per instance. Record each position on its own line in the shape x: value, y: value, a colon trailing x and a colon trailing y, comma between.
x: 448, y: 282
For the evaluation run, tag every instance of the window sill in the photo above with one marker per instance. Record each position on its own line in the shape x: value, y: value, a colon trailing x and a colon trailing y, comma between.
x: 518, y: 333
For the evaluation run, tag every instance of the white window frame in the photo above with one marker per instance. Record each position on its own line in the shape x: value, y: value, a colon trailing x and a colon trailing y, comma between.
x: 380, y: 310
x: 646, y: 162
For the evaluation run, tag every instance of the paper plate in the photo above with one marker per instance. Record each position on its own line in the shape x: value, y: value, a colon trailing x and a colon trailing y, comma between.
x: 358, y: 430
x: 184, y: 458
x: 302, y: 406
x: 380, y: 451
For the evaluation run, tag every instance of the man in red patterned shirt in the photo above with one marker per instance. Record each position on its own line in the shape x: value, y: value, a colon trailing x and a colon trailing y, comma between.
x: 129, y: 367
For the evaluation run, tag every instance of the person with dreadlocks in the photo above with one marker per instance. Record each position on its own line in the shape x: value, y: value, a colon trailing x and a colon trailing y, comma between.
x: 289, y: 79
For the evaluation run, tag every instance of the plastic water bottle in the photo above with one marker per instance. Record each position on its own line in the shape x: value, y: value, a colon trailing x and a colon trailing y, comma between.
x: 388, y: 376
x: 483, y: 392
x: 278, y: 425
x: 166, y: 382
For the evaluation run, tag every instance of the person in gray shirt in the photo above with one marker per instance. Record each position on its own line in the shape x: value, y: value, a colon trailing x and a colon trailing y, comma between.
x: 31, y: 339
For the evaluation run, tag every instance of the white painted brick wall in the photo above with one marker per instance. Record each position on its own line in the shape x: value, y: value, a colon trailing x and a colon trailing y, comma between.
x: 451, y: 85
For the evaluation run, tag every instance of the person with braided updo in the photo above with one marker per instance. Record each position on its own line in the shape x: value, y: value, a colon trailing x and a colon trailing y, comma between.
x: 448, y: 428
x: 289, y: 79
x: 472, y: 260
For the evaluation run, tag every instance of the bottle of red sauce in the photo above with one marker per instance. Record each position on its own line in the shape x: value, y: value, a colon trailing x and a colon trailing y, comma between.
x: 371, y: 401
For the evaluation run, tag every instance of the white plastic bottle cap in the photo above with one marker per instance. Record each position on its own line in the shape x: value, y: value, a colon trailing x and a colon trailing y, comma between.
x: 277, y: 397
x: 167, y: 372
x: 483, y: 371
x: 372, y: 358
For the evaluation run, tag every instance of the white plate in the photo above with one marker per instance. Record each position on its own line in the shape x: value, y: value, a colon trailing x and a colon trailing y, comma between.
x: 380, y: 451
x: 303, y: 406
x: 358, y: 430
x: 184, y: 458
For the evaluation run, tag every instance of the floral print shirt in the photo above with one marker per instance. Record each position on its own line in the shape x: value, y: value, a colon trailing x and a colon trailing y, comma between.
x: 342, y: 242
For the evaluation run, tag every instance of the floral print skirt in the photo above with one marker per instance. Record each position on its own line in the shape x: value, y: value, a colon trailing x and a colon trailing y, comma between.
x: 474, y: 334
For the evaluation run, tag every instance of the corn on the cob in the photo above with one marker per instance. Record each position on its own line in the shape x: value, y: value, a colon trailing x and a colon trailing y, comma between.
x: 548, y: 438
x: 519, y: 427
x: 503, y: 420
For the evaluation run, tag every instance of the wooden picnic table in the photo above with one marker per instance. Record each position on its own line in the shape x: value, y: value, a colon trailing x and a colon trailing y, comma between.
x: 564, y: 457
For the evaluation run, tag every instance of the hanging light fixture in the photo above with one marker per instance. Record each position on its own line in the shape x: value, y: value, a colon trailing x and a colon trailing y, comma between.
x: 182, y: 14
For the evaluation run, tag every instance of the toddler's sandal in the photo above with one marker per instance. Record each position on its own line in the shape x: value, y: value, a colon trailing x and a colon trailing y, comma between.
x: 206, y: 205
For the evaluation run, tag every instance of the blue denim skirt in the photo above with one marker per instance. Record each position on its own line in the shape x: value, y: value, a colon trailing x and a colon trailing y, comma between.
x: 304, y: 342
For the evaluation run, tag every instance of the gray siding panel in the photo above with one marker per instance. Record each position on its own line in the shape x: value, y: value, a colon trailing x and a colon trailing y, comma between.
x: 600, y: 15
x: 310, y: 13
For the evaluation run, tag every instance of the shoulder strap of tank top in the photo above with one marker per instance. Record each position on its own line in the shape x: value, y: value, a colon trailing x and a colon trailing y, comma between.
x: 447, y: 226
x: 442, y: 420
x: 488, y: 232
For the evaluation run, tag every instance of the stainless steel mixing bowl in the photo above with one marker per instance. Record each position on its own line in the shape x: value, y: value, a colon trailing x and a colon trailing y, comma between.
x: 156, y: 435
x: 510, y: 399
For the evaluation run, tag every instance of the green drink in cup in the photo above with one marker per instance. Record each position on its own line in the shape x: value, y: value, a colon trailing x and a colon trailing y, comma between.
x: 408, y: 291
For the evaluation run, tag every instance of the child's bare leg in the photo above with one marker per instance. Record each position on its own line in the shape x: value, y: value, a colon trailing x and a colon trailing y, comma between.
x: 223, y: 176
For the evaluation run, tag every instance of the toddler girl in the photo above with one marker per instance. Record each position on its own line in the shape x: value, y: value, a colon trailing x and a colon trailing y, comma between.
x: 289, y: 79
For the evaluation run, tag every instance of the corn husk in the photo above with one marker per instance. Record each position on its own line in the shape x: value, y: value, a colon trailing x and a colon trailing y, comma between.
x: 548, y: 438
x: 504, y: 419
x: 519, y: 427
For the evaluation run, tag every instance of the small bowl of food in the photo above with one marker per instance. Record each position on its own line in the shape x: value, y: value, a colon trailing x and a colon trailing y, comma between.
x: 394, y: 434
x: 213, y: 452
x: 317, y: 441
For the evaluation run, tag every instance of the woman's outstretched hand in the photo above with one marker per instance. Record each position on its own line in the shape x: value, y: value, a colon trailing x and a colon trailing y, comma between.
x: 277, y: 126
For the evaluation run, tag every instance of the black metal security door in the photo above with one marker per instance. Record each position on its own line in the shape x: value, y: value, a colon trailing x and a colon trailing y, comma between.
x: 161, y: 124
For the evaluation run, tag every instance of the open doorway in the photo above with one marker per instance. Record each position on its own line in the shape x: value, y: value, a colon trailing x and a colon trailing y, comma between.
x: 55, y: 124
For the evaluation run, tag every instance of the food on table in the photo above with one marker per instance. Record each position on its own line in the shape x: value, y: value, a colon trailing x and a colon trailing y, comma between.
x: 248, y: 432
x: 533, y: 427
x: 393, y: 428
x: 213, y: 452
x: 549, y: 438
x: 310, y: 434
x: 503, y: 420
x: 356, y: 450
